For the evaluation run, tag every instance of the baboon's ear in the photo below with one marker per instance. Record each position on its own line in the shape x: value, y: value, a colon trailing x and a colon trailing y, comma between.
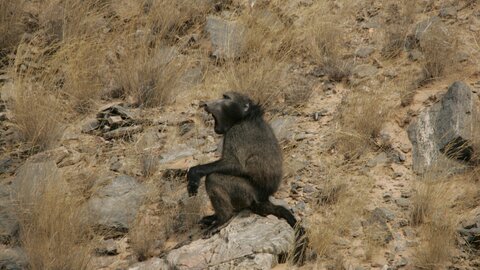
x: 246, y: 107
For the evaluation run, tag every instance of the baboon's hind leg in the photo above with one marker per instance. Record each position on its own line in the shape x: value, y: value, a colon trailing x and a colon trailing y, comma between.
x: 228, y: 194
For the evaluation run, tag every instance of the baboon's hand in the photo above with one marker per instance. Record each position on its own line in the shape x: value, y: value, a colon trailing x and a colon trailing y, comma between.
x: 193, y: 182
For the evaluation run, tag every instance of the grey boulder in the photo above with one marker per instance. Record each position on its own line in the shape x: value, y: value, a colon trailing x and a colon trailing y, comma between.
x: 251, y: 242
x: 114, y: 207
x: 444, y: 131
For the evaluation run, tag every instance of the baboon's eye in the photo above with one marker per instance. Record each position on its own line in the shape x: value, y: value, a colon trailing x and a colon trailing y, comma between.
x: 226, y: 96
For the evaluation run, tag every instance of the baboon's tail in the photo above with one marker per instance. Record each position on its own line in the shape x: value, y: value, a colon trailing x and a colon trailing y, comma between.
x: 301, y: 240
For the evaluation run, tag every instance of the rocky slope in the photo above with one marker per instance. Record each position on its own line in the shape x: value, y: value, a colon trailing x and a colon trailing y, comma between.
x: 361, y: 206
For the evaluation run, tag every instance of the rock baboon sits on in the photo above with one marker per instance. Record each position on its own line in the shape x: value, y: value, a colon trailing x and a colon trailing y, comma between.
x: 250, y: 169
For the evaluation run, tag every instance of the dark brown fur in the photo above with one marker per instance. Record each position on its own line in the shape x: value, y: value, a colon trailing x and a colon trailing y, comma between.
x: 250, y: 169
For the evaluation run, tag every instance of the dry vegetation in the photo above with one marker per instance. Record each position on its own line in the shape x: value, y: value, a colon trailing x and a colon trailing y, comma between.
x: 324, y: 40
x: 439, y: 46
x: 337, y: 208
x: 52, y: 223
x: 401, y: 16
x: 80, y: 54
x: 432, y: 212
x: 361, y: 119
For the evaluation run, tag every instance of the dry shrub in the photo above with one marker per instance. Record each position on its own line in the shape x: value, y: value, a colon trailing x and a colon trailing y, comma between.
x: 168, y: 19
x: 52, y: 224
x: 190, y: 212
x: 261, y: 79
x: 79, y: 64
x: 153, y: 224
x: 432, y: 211
x: 439, y: 45
x: 332, y: 187
x: 146, y: 236
x: 323, y: 37
x: 152, y: 77
x: 334, y: 219
x: 37, y: 111
x: 401, y: 15
x: 37, y: 115
x: 361, y: 118
x: 11, y: 25
x: 429, y: 198
x: 65, y: 19
x: 149, y: 163
x: 439, y: 235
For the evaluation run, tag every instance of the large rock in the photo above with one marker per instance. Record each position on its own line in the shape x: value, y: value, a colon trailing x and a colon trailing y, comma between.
x: 152, y: 264
x: 8, y: 221
x: 227, y: 37
x: 114, y: 207
x: 32, y: 178
x: 13, y: 259
x: 445, y: 129
x: 251, y: 242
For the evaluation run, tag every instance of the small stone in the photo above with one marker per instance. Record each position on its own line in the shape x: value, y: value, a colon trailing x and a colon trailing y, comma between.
x: 371, y: 25
x: 115, y: 121
x: 185, y: 127
x: 409, y: 233
x: 448, y: 12
x: 463, y: 56
x: 401, y: 262
x: 318, y: 115
x: 308, y: 189
x: 108, y: 248
x: 403, y: 203
x: 6, y: 165
x: 403, y: 222
x: 381, y: 158
x: 123, y: 132
x: 383, y: 214
x: 300, y: 207
x: 3, y: 116
x: 364, y: 51
x: 387, y: 196
x: 365, y: 70
x: 90, y: 125
x: 359, y: 253
x: 397, y: 174
x: 415, y: 55
x: 390, y: 73
x: 13, y: 259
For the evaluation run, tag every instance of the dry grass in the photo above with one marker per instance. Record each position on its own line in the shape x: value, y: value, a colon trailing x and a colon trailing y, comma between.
x: 261, y: 79
x: 36, y: 116
x: 324, y: 39
x: 63, y: 20
x: 52, y: 224
x: 401, y: 15
x: 439, y: 45
x: 11, y: 25
x: 335, y: 215
x: 361, y: 118
x: 439, y: 241
x: 429, y: 198
x: 79, y: 63
x: 147, y: 235
x: 432, y: 212
x: 150, y: 77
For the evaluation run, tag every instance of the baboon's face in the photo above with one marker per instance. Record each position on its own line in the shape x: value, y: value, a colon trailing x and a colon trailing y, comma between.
x: 227, y: 111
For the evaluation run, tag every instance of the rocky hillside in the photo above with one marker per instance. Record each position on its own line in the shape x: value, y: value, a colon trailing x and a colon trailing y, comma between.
x: 376, y: 105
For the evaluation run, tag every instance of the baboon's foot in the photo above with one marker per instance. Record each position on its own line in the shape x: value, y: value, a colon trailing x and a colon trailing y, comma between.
x: 214, y: 229
x: 208, y: 221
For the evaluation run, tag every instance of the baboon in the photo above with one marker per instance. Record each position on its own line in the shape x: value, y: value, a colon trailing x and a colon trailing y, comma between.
x: 249, y: 170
